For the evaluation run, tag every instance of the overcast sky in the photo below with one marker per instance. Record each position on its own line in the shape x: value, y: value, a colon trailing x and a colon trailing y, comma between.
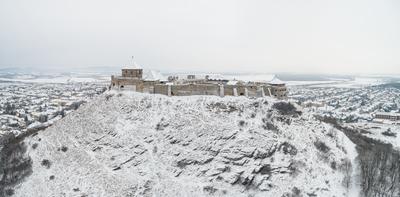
x: 326, y: 36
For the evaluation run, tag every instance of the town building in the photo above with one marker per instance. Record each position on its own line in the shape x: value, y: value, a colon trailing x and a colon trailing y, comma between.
x: 387, y: 116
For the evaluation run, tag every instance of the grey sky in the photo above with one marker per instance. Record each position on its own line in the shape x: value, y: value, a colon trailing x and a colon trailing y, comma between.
x: 327, y: 36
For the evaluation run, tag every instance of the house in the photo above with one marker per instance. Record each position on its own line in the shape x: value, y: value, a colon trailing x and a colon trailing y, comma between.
x: 387, y: 116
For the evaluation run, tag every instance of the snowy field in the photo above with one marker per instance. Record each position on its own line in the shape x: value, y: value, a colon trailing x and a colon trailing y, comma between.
x: 357, y: 82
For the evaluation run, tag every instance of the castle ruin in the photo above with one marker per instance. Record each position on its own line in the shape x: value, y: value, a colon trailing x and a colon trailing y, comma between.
x: 135, y: 79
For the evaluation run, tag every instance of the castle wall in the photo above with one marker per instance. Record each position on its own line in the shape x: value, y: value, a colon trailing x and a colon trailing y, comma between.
x: 240, y: 90
x: 154, y: 87
x: 161, y: 89
x: 253, y: 91
x: 148, y: 86
x: 267, y: 90
x: 194, y: 89
x: 228, y: 90
x: 137, y: 85
x: 125, y: 83
x: 279, y: 91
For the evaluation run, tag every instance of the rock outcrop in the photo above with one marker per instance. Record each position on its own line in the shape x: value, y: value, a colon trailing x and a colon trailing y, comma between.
x: 133, y: 144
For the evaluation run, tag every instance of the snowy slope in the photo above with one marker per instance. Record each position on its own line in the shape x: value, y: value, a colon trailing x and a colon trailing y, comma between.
x: 133, y: 144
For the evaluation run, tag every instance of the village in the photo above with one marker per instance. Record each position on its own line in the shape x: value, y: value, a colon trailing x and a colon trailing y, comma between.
x: 152, y: 82
x: 35, y: 106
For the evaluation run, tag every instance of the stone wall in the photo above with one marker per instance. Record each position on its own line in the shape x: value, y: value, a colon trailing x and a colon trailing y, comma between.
x: 267, y: 90
x: 161, y: 89
x: 148, y: 87
x: 228, y: 90
x: 154, y: 87
x: 252, y: 91
x: 279, y: 91
x: 133, y: 84
x: 136, y: 73
x: 127, y: 84
x: 195, y: 89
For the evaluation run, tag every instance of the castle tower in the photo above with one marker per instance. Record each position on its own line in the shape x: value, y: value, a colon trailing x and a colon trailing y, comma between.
x: 134, y: 71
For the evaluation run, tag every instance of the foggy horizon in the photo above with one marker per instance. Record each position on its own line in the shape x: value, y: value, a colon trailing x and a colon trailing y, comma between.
x: 341, y: 37
x: 117, y: 69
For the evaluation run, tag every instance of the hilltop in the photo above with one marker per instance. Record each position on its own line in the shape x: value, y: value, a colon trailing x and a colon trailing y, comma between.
x: 134, y: 144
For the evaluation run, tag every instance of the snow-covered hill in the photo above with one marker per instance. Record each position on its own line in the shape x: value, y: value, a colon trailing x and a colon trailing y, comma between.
x: 133, y: 144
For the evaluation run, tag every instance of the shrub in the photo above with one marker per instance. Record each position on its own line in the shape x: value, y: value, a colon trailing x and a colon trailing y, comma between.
x: 46, y: 163
x: 389, y: 133
x: 333, y: 165
x: 284, y: 119
x: 287, y: 148
x: 161, y: 126
x: 9, y: 192
x: 34, y: 146
x: 330, y: 120
x: 108, y: 96
x: 268, y: 125
x: 241, y: 123
x: 209, y: 189
x: 321, y: 146
x: 155, y: 149
x: 296, y: 191
x: 52, y: 177
x: 265, y: 169
x: 256, y: 104
x: 76, y: 105
x: 64, y: 149
x: 285, y: 108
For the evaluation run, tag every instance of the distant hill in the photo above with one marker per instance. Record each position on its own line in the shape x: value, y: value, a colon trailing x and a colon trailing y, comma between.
x: 391, y: 85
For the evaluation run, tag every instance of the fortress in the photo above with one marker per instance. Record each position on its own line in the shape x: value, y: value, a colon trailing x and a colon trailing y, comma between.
x: 152, y: 82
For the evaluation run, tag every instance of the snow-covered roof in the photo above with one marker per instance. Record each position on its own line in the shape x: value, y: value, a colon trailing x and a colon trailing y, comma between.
x: 202, y: 76
x: 134, y: 65
x: 265, y: 78
x: 387, y: 113
x: 276, y: 81
x: 153, y: 75
x: 232, y: 82
x: 216, y: 77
